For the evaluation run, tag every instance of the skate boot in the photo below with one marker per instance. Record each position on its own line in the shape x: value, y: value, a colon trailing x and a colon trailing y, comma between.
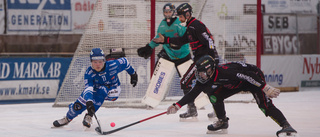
x: 219, y: 126
x: 286, y: 131
x: 61, y: 122
x: 191, y: 113
x: 87, y: 120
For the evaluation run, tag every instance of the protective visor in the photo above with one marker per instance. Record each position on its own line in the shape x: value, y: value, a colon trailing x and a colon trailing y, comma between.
x: 202, y: 76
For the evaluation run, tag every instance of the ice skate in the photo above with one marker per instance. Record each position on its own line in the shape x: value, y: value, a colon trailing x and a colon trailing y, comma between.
x: 190, y: 115
x: 287, y: 131
x: 61, y: 122
x: 219, y: 127
x: 87, y: 120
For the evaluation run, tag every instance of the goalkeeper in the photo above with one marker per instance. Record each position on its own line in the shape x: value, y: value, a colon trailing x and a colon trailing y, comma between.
x: 170, y: 27
x: 101, y: 83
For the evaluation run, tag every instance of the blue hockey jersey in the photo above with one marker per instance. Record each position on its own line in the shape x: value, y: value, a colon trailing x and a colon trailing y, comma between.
x: 108, y: 77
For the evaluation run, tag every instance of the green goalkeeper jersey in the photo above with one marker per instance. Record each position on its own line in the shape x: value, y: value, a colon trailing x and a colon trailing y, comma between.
x: 174, y: 30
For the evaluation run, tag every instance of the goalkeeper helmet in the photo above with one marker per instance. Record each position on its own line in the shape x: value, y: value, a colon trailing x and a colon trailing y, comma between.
x: 168, y: 8
x: 97, y: 54
x: 205, y: 68
x: 183, y: 9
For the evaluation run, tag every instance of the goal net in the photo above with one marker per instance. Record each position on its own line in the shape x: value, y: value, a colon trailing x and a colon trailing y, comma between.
x: 126, y: 24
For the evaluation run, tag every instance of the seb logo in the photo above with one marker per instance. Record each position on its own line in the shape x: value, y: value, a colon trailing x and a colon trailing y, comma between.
x: 39, y: 4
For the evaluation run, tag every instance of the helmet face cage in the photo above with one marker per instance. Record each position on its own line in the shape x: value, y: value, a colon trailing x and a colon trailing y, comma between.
x: 204, y: 76
x: 169, y: 8
x: 205, y: 68
x: 97, y: 54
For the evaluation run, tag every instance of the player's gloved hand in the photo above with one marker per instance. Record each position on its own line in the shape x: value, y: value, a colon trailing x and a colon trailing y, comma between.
x: 134, y: 79
x: 270, y: 91
x: 160, y: 40
x: 145, y: 51
x: 90, y: 108
x: 173, y: 108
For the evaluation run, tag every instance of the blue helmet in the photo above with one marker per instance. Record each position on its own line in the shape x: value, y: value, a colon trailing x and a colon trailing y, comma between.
x: 97, y: 54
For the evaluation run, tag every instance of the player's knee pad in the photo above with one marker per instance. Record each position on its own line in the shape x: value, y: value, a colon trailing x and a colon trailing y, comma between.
x: 183, y: 65
x: 75, y: 109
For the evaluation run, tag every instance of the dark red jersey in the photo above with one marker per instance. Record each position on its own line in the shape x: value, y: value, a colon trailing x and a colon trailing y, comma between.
x: 230, y: 76
x: 199, y: 38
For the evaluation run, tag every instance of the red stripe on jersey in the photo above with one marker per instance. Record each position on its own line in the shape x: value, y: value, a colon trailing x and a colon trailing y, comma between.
x: 191, y: 22
x: 194, y: 42
x: 215, y: 79
x: 238, y: 84
x: 194, y: 48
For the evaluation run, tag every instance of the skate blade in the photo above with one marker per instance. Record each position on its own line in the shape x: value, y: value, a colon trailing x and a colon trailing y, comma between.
x: 220, y: 131
x: 192, y: 119
x: 85, y: 128
x: 288, y: 134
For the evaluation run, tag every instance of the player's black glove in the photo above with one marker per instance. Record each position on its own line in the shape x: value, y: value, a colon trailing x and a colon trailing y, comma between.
x: 90, y: 108
x: 145, y: 51
x: 134, y: 79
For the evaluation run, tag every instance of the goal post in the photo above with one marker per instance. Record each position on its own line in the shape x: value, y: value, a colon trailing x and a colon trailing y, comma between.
x: 127, y: 24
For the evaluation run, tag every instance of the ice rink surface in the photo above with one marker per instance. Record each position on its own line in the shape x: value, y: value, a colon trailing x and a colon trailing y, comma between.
x: 302, y: 109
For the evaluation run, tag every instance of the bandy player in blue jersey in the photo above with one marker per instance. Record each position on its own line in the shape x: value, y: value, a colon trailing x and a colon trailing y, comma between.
x: 101, y: 83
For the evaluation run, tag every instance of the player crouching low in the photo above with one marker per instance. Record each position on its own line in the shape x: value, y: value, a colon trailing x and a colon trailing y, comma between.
x: 223, y: 81
x: 101, y: 83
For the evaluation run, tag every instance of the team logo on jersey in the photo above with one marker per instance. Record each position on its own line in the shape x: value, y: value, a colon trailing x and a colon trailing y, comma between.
x: 214, y: 86
x: 170, y: 30
x: 249, y: 79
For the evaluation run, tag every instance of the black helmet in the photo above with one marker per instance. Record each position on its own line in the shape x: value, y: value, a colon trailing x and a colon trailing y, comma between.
x: 169, y: 7
x: 183, y: 9
x: 205, y: 68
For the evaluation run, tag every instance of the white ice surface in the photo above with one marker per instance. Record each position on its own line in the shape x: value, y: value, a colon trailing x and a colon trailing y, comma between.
x: 302, y: 109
